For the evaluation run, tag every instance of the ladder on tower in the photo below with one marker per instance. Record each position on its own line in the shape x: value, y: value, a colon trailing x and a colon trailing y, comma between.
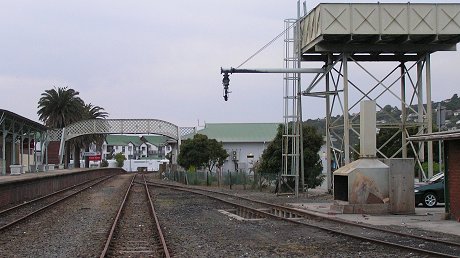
x: 292, y: 113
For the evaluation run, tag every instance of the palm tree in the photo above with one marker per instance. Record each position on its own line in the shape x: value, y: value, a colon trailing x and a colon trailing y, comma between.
x: 59, y: 107
x: 92, y: 112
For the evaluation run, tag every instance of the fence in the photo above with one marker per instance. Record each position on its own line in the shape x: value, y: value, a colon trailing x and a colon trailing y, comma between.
x: 230, y: 179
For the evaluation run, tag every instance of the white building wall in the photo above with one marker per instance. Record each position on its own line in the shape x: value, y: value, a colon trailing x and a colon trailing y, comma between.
x: 243, y: 150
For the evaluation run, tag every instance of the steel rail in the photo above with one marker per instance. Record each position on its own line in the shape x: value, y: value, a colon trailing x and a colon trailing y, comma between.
x: 338, y: 220
x: 157, y: 222
x: 51, y: 204
x: 115, y: 221
x: 46, y: 196
x: 267, y: 214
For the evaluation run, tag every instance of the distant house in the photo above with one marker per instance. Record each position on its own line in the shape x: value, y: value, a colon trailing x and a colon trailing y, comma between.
x: 136, y: 147
x: 130, y: 146
x: 244, y: 142
x: 156, y: 145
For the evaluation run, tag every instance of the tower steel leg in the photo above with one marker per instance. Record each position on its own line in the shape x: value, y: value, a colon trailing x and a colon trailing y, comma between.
x: 420, y: 110
x: 328, y: 133
x: 429, y: 113
x: 403, y: 111
x: 346, y: 122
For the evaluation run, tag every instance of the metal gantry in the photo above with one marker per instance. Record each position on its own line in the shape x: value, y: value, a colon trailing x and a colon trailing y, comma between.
x: 400, y: 38
x: 343, y: 92
x: 346, y: 38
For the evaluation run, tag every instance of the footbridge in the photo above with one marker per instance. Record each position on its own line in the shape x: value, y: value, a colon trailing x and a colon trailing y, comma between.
x: 117, y: 126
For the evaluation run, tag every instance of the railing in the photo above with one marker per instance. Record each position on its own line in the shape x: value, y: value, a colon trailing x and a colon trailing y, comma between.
x: 228, y: 179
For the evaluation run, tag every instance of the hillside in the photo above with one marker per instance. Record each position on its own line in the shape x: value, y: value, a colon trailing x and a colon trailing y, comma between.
x: 450, y: 109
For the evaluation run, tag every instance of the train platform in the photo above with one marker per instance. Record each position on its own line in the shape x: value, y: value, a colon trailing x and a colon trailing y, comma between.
x: 27, y: 186
x: 8, y: 179
x: 430, y: 219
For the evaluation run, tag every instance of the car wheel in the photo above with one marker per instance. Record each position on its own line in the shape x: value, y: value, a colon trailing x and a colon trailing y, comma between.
x: 430, y: 200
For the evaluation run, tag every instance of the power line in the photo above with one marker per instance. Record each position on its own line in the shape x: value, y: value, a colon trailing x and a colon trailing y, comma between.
x: 266, y: 45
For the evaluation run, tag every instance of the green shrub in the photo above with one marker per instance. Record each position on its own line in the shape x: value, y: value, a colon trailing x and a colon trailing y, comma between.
x: 104, y: 163
x: 120, y: 158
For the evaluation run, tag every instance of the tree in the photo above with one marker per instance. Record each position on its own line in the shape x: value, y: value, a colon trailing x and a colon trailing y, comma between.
x: 91, y: 112
x: 59, y: 107
x: 201, y: 152
x: 271, y: 162
x: 217, y: 155
x: 120, y: 158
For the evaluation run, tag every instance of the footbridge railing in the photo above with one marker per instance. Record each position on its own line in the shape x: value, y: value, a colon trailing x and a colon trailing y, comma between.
x: 117, y: 126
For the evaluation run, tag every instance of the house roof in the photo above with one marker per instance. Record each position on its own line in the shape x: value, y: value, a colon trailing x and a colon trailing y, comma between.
x: 122, y: 140
x: 155, y: 139
x: 239, y: 132
x: 8, y: 115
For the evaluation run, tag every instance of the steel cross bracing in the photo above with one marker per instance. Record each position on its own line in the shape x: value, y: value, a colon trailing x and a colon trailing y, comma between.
x: 117, y: 126
x: 345, y: 37
x: 403, y: 82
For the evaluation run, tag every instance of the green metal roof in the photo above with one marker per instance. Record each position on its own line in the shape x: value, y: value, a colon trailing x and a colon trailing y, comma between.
x: 240, y: 132
x: 156, y: 140
x: 122, y: 140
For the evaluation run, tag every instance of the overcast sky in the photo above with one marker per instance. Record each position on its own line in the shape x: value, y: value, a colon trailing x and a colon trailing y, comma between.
x: 158, y: 59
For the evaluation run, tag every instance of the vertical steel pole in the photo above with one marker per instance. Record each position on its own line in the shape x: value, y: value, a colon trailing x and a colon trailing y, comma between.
x: 21, y: 149
x: 4, y: 150
x: 35, y: 151
x: 13, y: 145
x: 328, y: 133
x: 299, y: 102
x: 346, y: 122
x: 420, y: 110
x: 440, y: 142
x: 429, y: 114
x: 403, y: 111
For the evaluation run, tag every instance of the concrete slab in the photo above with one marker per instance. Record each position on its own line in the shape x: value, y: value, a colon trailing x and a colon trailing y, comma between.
x: 431, y: 219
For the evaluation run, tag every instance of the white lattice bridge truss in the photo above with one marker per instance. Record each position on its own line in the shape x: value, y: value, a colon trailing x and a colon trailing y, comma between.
x: 118, y: 126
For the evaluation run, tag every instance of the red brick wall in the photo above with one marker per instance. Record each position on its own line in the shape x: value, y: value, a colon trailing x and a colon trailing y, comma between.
x: 53, y: 152
x: 31, y: 188
x: 454, y: 178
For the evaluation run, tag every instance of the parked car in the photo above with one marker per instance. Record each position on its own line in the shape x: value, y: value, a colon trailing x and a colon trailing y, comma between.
x: 430, y: 192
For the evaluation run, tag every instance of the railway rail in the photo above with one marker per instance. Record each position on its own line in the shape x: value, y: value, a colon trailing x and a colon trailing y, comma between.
x: 259, y: 209
x: 18, y: 213
x: 136, y: 230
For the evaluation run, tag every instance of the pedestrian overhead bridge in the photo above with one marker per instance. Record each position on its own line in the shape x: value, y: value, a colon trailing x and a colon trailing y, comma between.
x: 21, y: 136
x: 118, y: 126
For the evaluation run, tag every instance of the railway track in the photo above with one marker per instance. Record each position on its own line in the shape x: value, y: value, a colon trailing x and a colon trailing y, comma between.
x: 250, y: 208
x: 23, y: 211
x: 136, y: 231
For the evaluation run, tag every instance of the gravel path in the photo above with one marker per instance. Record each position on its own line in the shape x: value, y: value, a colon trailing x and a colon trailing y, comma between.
x: 70, y: 229
x: 193, y: 227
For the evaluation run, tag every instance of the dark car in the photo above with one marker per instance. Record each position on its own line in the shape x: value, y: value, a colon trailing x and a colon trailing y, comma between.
x: 431, y: 192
